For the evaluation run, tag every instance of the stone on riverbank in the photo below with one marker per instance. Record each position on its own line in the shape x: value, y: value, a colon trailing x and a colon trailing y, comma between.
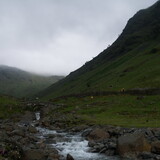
x: 130, y: 145
x: 98, y: 134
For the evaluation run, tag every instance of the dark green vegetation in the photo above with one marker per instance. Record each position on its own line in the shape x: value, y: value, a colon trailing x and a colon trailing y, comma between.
x: 131, y: 62
x: 19, y: 83
x: 121, y: 110
x: 9, y: 106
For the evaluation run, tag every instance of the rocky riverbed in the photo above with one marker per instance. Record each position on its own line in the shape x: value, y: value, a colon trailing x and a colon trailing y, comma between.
x: 29, y: 137
x: 19, y: 141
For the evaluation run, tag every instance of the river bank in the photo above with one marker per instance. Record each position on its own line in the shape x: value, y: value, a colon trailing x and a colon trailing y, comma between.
x: 28, y: 139
x: 33, y: 137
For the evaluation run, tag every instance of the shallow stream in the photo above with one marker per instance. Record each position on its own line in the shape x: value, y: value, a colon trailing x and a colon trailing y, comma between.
x: 69, y: 143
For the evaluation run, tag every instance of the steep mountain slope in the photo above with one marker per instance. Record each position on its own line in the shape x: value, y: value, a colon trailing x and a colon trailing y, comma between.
x: 19, y: 83
x: 131, y: 62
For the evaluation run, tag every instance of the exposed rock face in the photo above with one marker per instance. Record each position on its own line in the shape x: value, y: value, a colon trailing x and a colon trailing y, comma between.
x: 98, y: 134
x: 130, y: 145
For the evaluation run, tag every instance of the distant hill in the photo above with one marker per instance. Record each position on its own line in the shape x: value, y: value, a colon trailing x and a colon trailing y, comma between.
x: 19, y: 83
x: 132, y: 61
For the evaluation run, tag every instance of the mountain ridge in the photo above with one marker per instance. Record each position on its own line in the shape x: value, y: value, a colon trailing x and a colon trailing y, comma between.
x: 137, y: 46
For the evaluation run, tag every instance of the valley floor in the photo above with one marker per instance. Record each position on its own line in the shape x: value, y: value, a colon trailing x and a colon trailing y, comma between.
x: 108, y: 122
x: 119, y: 110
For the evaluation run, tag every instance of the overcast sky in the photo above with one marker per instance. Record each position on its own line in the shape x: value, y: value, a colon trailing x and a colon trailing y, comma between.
x: 58, y: 36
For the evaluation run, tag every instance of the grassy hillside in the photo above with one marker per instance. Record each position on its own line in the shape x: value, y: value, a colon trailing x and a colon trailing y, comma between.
x: 18, y: 83
x: 131, y: 62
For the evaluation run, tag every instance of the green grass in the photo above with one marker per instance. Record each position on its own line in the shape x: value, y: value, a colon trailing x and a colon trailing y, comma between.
x: 9, y: 106
x: 121, y: 110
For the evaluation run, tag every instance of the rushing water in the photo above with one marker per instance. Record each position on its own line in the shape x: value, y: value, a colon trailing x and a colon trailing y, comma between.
x: 37, y: 114
x: 74, y: 144
x: 78, y: 148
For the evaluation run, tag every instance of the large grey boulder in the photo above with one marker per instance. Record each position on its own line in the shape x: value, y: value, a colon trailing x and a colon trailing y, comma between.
x: 98, y: 134
x: 130, y: 145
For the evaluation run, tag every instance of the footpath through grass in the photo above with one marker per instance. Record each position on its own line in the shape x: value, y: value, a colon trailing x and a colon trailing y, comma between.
x: 120, y: 110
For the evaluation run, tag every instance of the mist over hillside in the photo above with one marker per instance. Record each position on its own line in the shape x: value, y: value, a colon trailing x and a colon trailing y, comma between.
x: 19, y: 83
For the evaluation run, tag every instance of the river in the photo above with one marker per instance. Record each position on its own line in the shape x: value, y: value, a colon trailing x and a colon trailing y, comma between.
x: 70, y: 143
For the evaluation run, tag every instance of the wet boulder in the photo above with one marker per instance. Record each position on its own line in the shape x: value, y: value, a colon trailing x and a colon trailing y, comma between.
x: 69, y: 157
x: 86, y: 132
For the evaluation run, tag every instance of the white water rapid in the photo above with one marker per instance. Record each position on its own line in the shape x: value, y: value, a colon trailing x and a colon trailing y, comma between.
x: 69, y: 143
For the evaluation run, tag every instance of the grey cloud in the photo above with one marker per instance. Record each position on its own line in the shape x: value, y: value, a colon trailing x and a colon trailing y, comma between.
x: 58, y: 36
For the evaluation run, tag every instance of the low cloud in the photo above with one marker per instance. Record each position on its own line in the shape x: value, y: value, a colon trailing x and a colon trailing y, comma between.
x: 58, y: 36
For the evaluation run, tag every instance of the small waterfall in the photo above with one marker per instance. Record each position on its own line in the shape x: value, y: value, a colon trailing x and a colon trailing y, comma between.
x: 37, y: 114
